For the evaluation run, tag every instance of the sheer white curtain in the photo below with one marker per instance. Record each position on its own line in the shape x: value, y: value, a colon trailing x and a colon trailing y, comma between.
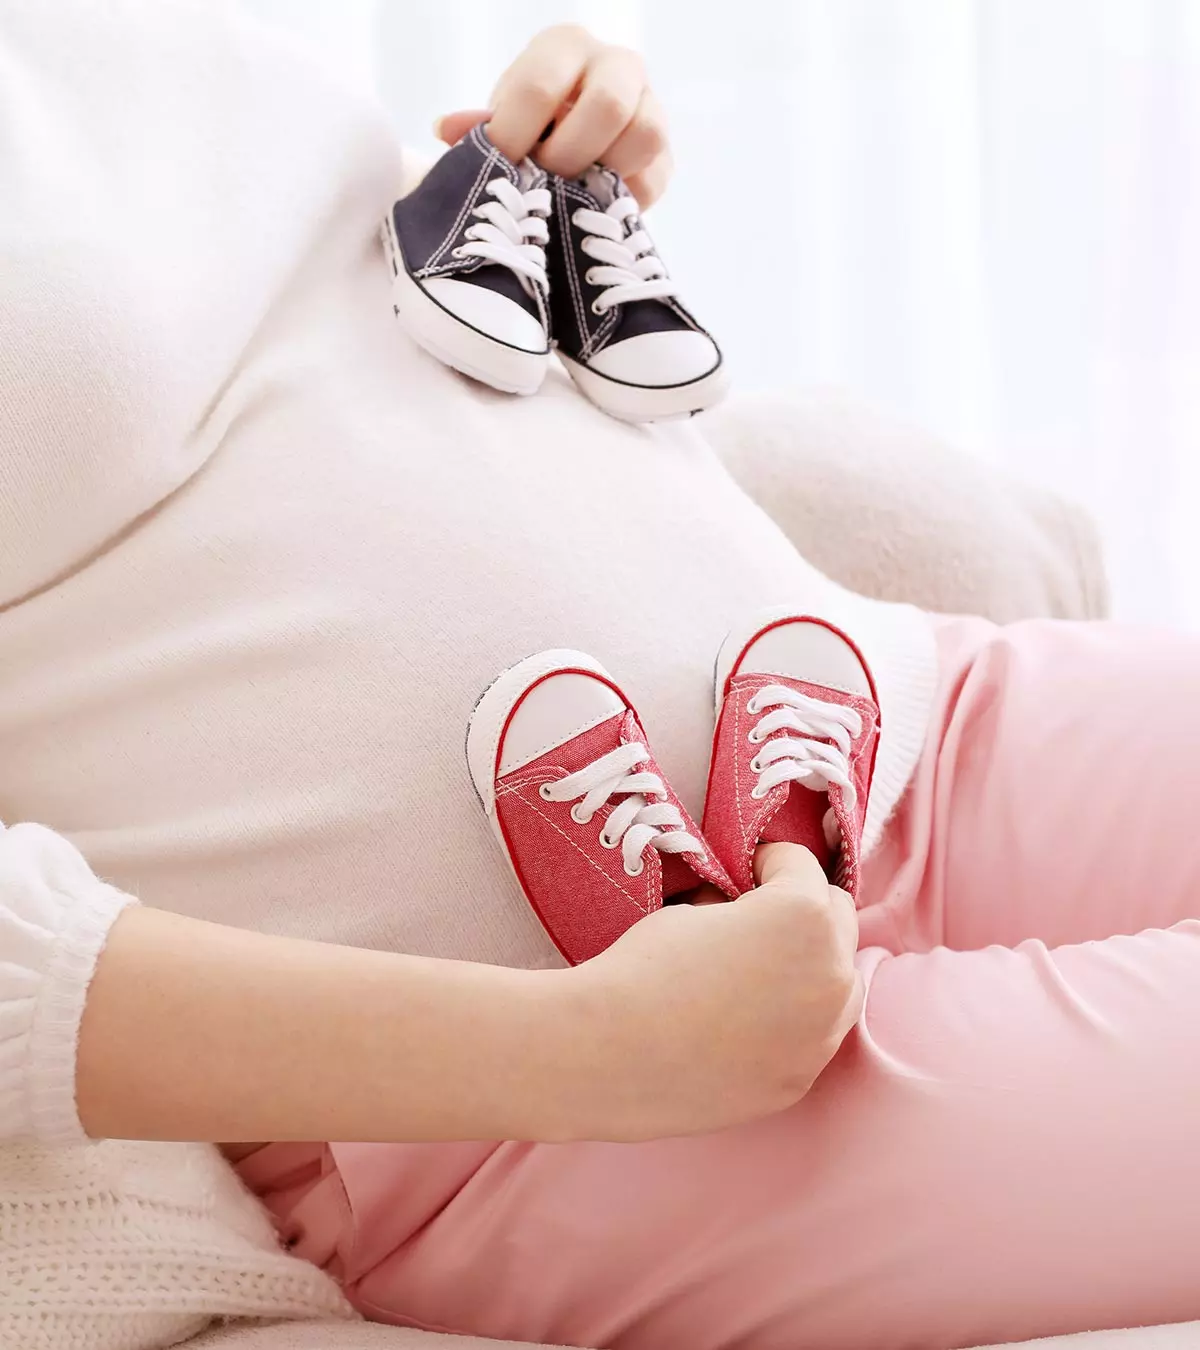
x: 981, y: 214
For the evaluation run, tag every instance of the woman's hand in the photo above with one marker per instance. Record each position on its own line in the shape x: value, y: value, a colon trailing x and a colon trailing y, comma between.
x: 600, y: 104
x: 701, y: 1017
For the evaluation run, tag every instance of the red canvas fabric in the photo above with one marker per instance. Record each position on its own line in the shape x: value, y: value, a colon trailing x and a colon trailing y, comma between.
x: 735, y: 822
x: 578, y: 888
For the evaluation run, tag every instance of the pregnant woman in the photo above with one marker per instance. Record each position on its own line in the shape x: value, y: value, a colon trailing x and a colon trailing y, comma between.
x: 259, y: 554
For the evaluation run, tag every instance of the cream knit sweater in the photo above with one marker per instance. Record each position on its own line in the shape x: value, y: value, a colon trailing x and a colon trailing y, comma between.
x: 119, y: 1246
x: 259, y: 555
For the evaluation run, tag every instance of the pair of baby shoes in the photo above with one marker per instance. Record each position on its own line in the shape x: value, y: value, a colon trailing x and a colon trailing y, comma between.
x: 594, y: 832
x: 495, y: 263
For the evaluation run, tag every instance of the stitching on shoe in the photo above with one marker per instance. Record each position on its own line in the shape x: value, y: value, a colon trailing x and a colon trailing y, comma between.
x: 466, y: 208
x: 572, y: 277
x: 737, y: 763
x: 586, y: 349
x: 774, y: 800
x: 486, y: 147
x: 605, y: 331
x: 714, y: 873
x: 597, y: 341
x: 683, y: 314
x: 456, y: 266
x: 643, y: 907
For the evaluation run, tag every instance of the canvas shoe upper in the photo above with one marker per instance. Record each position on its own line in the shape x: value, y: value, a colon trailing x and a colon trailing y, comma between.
x: 593, y: 831
x: 620, y: 330
x: 794, y: 748
x: 467, y: 253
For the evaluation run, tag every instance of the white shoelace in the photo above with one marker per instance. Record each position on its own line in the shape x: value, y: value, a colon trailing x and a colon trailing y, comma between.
x: 803, y: 756
x: 630, y: 268
x: 635, y: 822
x: 512, y: 231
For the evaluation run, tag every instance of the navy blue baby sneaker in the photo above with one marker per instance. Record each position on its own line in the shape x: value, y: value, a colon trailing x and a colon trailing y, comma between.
x: 467, y: 252
x: 620, y: 330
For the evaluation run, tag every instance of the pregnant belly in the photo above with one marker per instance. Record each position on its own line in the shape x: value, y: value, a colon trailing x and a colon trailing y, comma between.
x: 256, y: 716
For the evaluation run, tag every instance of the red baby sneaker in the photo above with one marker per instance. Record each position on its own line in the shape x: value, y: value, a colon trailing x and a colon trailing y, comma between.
x: 794, y: 749
x: 592, y: 829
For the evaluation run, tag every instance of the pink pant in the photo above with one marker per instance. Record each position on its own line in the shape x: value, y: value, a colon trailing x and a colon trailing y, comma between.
x: 1008, y: 1146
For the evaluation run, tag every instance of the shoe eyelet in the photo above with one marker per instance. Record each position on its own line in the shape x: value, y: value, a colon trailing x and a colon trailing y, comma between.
x: 579, y: 816
x: 635, y: 871
x: 598, y: 308
x: 544, y: 791
x: 752, y: 707
x: 606, y: 841
x: 458, y: 252
x: 753, y: 737
x: 755, y: 766
x: 590, y: 277
x: 757, y: 793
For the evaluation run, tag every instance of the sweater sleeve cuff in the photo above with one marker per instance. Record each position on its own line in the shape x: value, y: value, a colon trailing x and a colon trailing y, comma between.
x: 55, y: 916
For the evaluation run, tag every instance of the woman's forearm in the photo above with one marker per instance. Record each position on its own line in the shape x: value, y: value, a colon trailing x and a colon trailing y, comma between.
x: 197, y: 1031
x: 697, y: 1018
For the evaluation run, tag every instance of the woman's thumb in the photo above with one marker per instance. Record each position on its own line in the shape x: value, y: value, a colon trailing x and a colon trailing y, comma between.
x: 789, y: 865
x: 452, y: 127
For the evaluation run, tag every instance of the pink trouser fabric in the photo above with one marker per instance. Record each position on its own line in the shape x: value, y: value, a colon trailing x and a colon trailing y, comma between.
x: 1007, y: 1146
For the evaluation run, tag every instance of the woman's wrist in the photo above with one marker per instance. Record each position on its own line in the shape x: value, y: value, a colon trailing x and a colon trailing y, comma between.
x: 491, y: 1051
x: 566, y: 1036
x: 542, y: 1055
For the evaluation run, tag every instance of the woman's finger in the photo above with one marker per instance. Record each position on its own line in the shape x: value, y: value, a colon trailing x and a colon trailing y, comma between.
x: 709, y: 895
x: 649, y: 185
x: 604, y: 106
x: 643, y: 140
x: 854, y: 1006
x: 845, y: 920
x: 533, y: 90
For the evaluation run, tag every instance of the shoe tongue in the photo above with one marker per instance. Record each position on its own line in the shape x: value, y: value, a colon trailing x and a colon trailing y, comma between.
x: 677, y: 876
x: 604, y: 185
x: 529, y: 175
x: 801, y: 820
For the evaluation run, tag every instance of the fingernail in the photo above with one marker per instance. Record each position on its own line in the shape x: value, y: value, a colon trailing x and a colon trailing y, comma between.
x: 437, y: 126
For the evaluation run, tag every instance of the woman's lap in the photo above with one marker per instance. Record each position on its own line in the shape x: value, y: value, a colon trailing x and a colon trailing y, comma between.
x: 1056, y: 796
x: 987, y: 1159
x: 1006, y: 1145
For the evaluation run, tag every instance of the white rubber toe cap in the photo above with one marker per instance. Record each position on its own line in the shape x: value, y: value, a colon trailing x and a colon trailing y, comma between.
x: 810, y: 652
x: 776, y: 642
x: 533, y: 707
x: 489, y: 312
x: 657, y: 360
x: 559, y: 709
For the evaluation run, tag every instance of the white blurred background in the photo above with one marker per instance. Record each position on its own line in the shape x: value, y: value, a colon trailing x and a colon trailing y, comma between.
x: 983, y: 215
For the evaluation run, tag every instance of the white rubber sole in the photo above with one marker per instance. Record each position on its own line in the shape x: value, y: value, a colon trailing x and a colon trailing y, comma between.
x: 454, y: 343
x: 495, y: 705
x: 642, y: 403
x: 731, y: 648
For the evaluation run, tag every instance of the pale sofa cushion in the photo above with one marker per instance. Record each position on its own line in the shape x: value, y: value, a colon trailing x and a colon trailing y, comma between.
x: 892, y: 512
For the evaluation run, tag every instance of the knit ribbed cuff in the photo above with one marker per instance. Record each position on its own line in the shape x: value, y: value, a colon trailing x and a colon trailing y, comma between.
x: 908, y: 665
x: 54, y: 1033
x: 901, y: 650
